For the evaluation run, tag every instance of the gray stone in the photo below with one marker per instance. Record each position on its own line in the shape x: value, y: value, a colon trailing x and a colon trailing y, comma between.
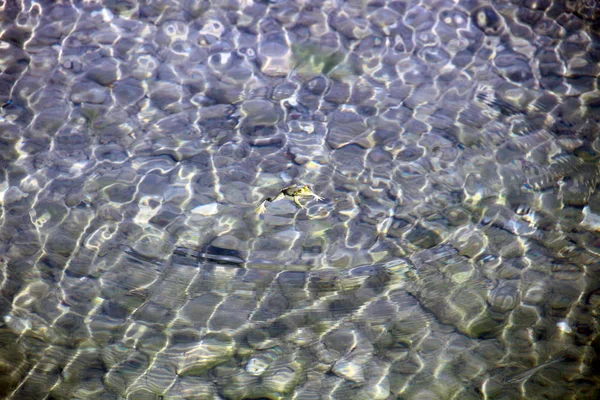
x: 165, y: 94
x: 212, y: 350
x: 88, y: 92
x: 120, y: 193
x: 103, y: 72
x: 352, y: 28
x: 229, y: 242
x: 14, y: 195
x: 144, y: 67
x: 419, y: 18
x: 49, y: 120
x: 128, y: 91
x: 72, y: 139
x: 112, y: 153
x: 60, y: 244
x: 344, y: 128
x: 274, y: 45
x: 153, y: 184
x: 504, y: 298
x: 259, y: 113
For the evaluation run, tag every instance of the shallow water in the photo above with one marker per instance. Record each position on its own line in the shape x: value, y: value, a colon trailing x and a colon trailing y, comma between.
x: 455, y: 144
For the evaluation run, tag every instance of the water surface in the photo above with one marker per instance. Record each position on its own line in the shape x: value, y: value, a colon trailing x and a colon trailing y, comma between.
x: 455, y: 144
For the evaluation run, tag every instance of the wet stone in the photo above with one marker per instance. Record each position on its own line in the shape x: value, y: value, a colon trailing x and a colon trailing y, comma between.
x: 74, y: 325
x: 350, y: 158
x: 345, y: 127
x: 115, y: 310
x: 423, y: 237
x: 153, y: 312
x: 272, y: 306
x: 488, y: 20
x: 128, y: 91
x: 166, y: 216
x: 567, y: 271
x: 153, y: 184
x: 338, y: 93
x: 259, y: 112
x: 228, y: 243
x: 524, y: 316
x: 200, y: 308
x: 104, y: 72
x: 61, y: 244
x: 470, y: 244
x: 419, y: 18
x: 484, y: 326
x: 562, y: 298
x: 164, y: 94
x: 111, y: 153
x: 48, y: 121
x: 576, y: 193
x: 519, y: 72
x: 352, y: 28
x: 410, y: 153
x: 210, y: 351
x: 144, y: 67
x: 120, y: 193
x: 232, y: 313
x: 274, y: 45
x: 459, y: 273
x: 206, y: 209
x: 504, y: 298
x: 384, y: 18
x: 14, y: 195
x: 223, y: 93
x: 88, y: 92
x: 434, y: 55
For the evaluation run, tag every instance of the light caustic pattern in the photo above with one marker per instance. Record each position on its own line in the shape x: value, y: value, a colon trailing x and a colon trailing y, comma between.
x: 456, y: 250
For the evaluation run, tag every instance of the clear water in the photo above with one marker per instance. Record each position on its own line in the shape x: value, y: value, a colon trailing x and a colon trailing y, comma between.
x: 455, y: 253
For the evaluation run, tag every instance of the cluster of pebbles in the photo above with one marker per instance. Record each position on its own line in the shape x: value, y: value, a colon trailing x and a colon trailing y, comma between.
x: 456, y: 146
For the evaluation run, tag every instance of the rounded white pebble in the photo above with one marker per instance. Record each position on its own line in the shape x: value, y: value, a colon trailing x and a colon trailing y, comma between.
x: 206, y: 209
